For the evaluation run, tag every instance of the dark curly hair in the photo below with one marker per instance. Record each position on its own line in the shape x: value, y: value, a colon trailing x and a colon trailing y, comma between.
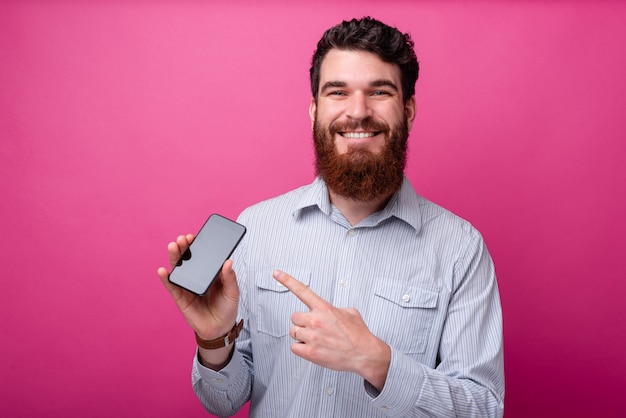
x: 369, y: 35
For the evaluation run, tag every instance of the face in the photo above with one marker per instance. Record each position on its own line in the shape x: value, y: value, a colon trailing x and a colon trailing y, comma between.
x: 361, y: 125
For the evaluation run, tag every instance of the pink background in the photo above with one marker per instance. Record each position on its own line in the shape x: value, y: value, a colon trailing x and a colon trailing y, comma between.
x: 123, y: 124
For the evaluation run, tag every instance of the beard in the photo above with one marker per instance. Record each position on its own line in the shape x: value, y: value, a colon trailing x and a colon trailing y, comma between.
x: 360, y: 174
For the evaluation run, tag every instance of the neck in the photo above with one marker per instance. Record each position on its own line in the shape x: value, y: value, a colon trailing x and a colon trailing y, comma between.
x: 354, y: 210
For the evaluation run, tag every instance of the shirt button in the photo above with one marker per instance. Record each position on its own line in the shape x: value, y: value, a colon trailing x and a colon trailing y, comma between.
x: 384, y: 408
x: 351, y: 232
x: 406, y: 298
x: 329, y: 391
x: 343, y: 282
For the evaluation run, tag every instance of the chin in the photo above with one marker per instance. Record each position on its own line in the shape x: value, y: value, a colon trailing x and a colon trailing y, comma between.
x: 374, y: 147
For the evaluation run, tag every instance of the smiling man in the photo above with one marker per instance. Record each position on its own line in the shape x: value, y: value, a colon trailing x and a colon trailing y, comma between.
x: 360, y: 125
x: 359, y: 297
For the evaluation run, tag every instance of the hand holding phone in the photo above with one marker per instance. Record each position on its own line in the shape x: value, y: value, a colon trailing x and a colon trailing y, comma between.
x: 201, y: 263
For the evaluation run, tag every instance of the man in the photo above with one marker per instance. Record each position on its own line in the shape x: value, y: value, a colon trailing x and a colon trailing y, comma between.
x: 359, y: 297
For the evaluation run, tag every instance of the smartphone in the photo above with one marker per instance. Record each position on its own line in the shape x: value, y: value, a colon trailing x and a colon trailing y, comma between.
x: 200, y: 265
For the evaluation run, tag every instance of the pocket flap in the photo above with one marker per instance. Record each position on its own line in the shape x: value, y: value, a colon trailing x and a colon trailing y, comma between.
x: 264, y: 279
x: 407, y: 296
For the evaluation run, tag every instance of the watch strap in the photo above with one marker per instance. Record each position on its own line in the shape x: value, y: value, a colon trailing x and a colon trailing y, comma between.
x: 220, y: 342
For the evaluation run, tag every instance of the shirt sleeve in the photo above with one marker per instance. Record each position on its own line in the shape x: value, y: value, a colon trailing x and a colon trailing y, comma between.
x: 223, y: 392
x: 468, y: 381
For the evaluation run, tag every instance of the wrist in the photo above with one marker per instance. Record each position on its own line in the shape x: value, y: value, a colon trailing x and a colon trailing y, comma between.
x: 216, y: 360
x: 376, y: 369
x: 223, y: 341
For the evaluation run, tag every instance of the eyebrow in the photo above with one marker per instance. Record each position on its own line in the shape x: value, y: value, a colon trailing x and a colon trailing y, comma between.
x: 332, y: 84
x: 376, y: 83
x: 384, y: 83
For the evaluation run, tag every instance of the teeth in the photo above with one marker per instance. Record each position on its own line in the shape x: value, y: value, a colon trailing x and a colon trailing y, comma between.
x: 358, y: 135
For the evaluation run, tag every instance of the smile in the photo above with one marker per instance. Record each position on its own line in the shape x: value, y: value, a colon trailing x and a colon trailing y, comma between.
x: 358, y: 135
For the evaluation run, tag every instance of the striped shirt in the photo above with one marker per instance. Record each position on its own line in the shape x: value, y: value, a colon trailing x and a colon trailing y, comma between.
x: 420, y: 277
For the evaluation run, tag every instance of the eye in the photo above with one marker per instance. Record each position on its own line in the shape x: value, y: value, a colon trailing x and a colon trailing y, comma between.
x: 380, y: 93
x: 337, y: 93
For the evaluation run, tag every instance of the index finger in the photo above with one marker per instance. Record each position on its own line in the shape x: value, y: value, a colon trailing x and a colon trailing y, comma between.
x: 177, y: 248
x: 302, y: 291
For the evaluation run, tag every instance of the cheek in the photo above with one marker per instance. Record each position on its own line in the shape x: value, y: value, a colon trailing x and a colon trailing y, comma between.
x: 392, y: 115
x: 329, y: 111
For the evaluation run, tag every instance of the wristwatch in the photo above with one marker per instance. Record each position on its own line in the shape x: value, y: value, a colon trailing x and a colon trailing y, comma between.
x: 220, y: 342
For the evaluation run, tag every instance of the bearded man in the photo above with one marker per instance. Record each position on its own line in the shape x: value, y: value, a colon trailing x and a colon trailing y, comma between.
x: 359, y: 297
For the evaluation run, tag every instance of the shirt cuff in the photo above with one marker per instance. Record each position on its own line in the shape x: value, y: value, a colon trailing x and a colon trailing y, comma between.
x: 402, y: 386
x: 221, y: 379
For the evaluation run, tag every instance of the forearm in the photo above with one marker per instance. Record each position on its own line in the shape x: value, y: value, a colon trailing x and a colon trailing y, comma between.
x: 375, y: 367
x: 215, y: 359
x: 464, y: 375
x: 222, y: 377
x: 414, y: 390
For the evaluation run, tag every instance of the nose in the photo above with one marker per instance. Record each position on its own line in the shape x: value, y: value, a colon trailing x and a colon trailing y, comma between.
x: 358, y: 107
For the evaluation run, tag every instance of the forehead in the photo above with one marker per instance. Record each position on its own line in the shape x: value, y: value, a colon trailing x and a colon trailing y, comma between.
x: 355, y: 67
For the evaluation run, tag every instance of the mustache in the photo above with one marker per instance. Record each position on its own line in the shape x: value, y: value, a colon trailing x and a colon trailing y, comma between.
x: 367, y: 124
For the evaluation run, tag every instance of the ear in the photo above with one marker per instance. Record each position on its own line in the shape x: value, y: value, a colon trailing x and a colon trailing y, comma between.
x: 410, y: 109
x: 312, y: 110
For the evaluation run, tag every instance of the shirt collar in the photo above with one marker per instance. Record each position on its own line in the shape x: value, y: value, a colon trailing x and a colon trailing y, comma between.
x: 404, y: 204
x: 316, y: 194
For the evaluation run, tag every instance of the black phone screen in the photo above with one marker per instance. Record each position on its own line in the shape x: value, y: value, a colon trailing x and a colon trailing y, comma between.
x: 200, y: 265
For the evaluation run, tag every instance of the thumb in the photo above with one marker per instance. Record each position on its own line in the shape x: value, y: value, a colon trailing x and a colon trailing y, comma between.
x: 229, y: 281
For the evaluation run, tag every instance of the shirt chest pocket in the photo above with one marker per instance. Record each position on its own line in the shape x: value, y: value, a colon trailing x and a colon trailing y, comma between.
x: 275, y: 303
x: 403, y: 316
